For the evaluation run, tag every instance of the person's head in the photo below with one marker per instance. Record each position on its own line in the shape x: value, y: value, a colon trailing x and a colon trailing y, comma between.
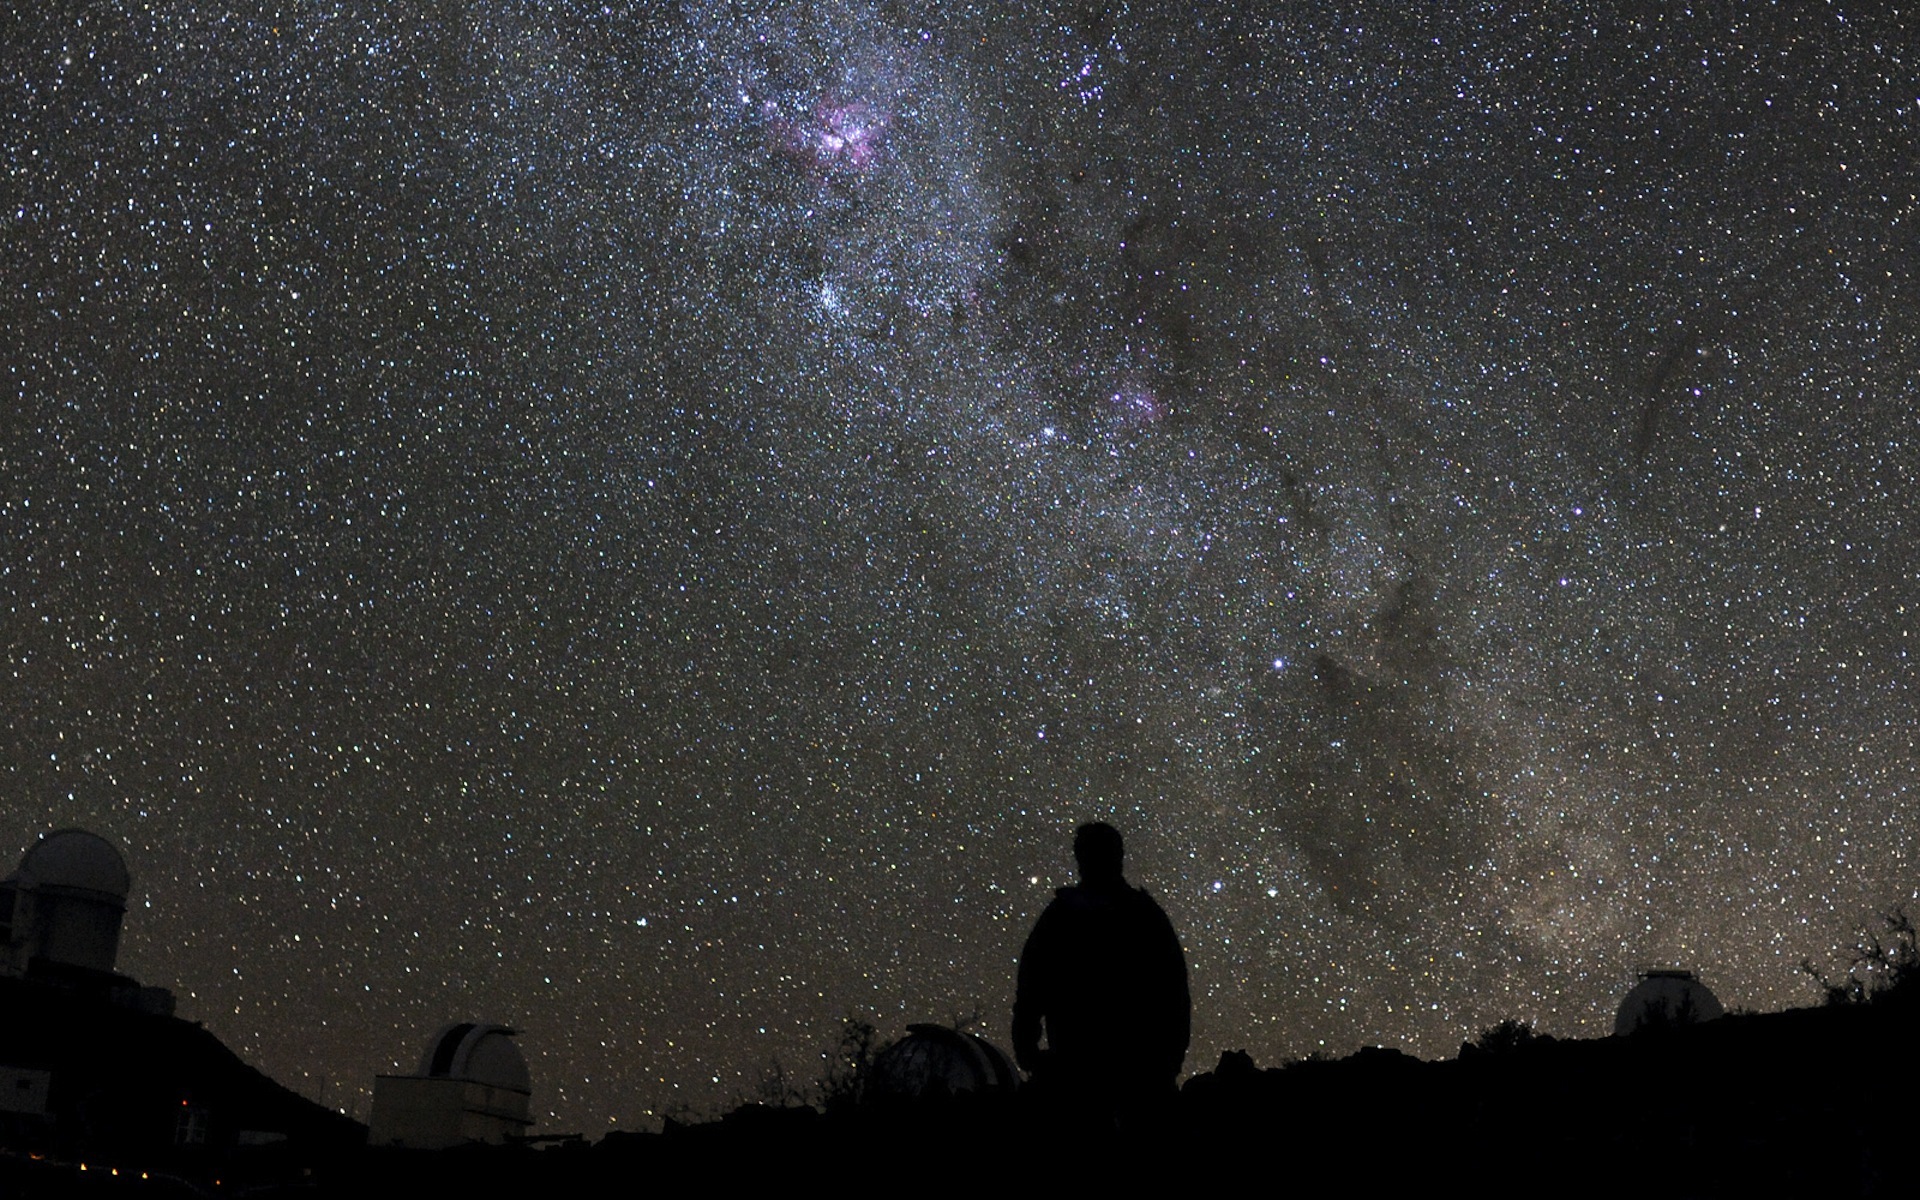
x: 1098, y: 851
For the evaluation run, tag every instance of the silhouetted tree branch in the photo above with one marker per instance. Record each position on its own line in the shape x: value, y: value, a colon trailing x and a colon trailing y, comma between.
x: 1885, y: 964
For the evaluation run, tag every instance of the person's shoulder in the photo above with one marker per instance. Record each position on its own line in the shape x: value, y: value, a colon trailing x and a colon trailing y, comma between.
x: 1064, y: 900
x: 1142, y: 902
x: 1142, y: 896
x: 1079, y: 904
x: 1070, y: 900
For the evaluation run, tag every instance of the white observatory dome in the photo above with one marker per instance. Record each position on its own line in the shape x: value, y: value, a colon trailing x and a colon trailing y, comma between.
x: 1665, y: 998
x: 933, y: 1060
x: 79, y: 861
x: 67, y: 901
x: 480, y: 1053
x: 472, y: 1086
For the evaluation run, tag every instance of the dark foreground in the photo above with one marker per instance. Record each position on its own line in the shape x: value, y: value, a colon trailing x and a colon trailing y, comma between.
x: 1815, y: 1101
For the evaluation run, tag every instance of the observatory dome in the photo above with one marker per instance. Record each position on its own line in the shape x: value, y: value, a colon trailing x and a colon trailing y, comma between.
x: 480, y: 1053
x: 1665, y: 998
x: 934, y: 1060
x: 64, y: 906
x: 472, y: 1086
x: 76, y: 860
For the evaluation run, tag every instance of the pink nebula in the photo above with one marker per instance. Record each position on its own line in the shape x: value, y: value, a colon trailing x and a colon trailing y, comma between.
x: 841, y: 135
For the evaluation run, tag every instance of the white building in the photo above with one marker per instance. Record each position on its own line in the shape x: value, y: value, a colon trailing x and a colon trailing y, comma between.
x: 64, y: 905
x: 472, y: 1086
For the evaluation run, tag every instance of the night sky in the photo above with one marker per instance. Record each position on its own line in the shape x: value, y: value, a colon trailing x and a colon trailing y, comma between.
x: 651, y: 523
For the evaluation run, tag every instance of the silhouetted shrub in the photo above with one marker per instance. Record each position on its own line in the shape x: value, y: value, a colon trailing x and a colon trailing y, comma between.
x: 846, y: 1075
x: 1506, y: 1037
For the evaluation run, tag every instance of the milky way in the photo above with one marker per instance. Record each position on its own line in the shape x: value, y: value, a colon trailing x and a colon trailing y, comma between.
x: 653, y: 524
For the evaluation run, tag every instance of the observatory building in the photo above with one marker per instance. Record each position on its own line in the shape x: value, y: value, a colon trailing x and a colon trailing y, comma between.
x: 472, y: 1086
x: 94, y: 1064
x: 1663, y: 999
x: 62, y: 908
x: 934, y: 1060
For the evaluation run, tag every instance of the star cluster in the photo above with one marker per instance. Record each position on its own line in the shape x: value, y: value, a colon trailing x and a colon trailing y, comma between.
x: 653, y: 523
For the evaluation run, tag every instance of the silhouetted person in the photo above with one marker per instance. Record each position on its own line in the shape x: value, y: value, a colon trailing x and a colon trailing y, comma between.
x: 1103, y: 975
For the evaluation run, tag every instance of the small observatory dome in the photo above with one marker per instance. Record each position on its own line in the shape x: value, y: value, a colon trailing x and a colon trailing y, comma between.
x: 933, y: 1060
x: 68, y: 900
x: 472, y: 1086
x: 77, y: 860
x: 479, y: 1053
x: 1663, y: 999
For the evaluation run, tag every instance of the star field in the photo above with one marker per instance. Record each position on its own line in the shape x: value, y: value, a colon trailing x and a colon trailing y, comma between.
x: 652, y: 523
